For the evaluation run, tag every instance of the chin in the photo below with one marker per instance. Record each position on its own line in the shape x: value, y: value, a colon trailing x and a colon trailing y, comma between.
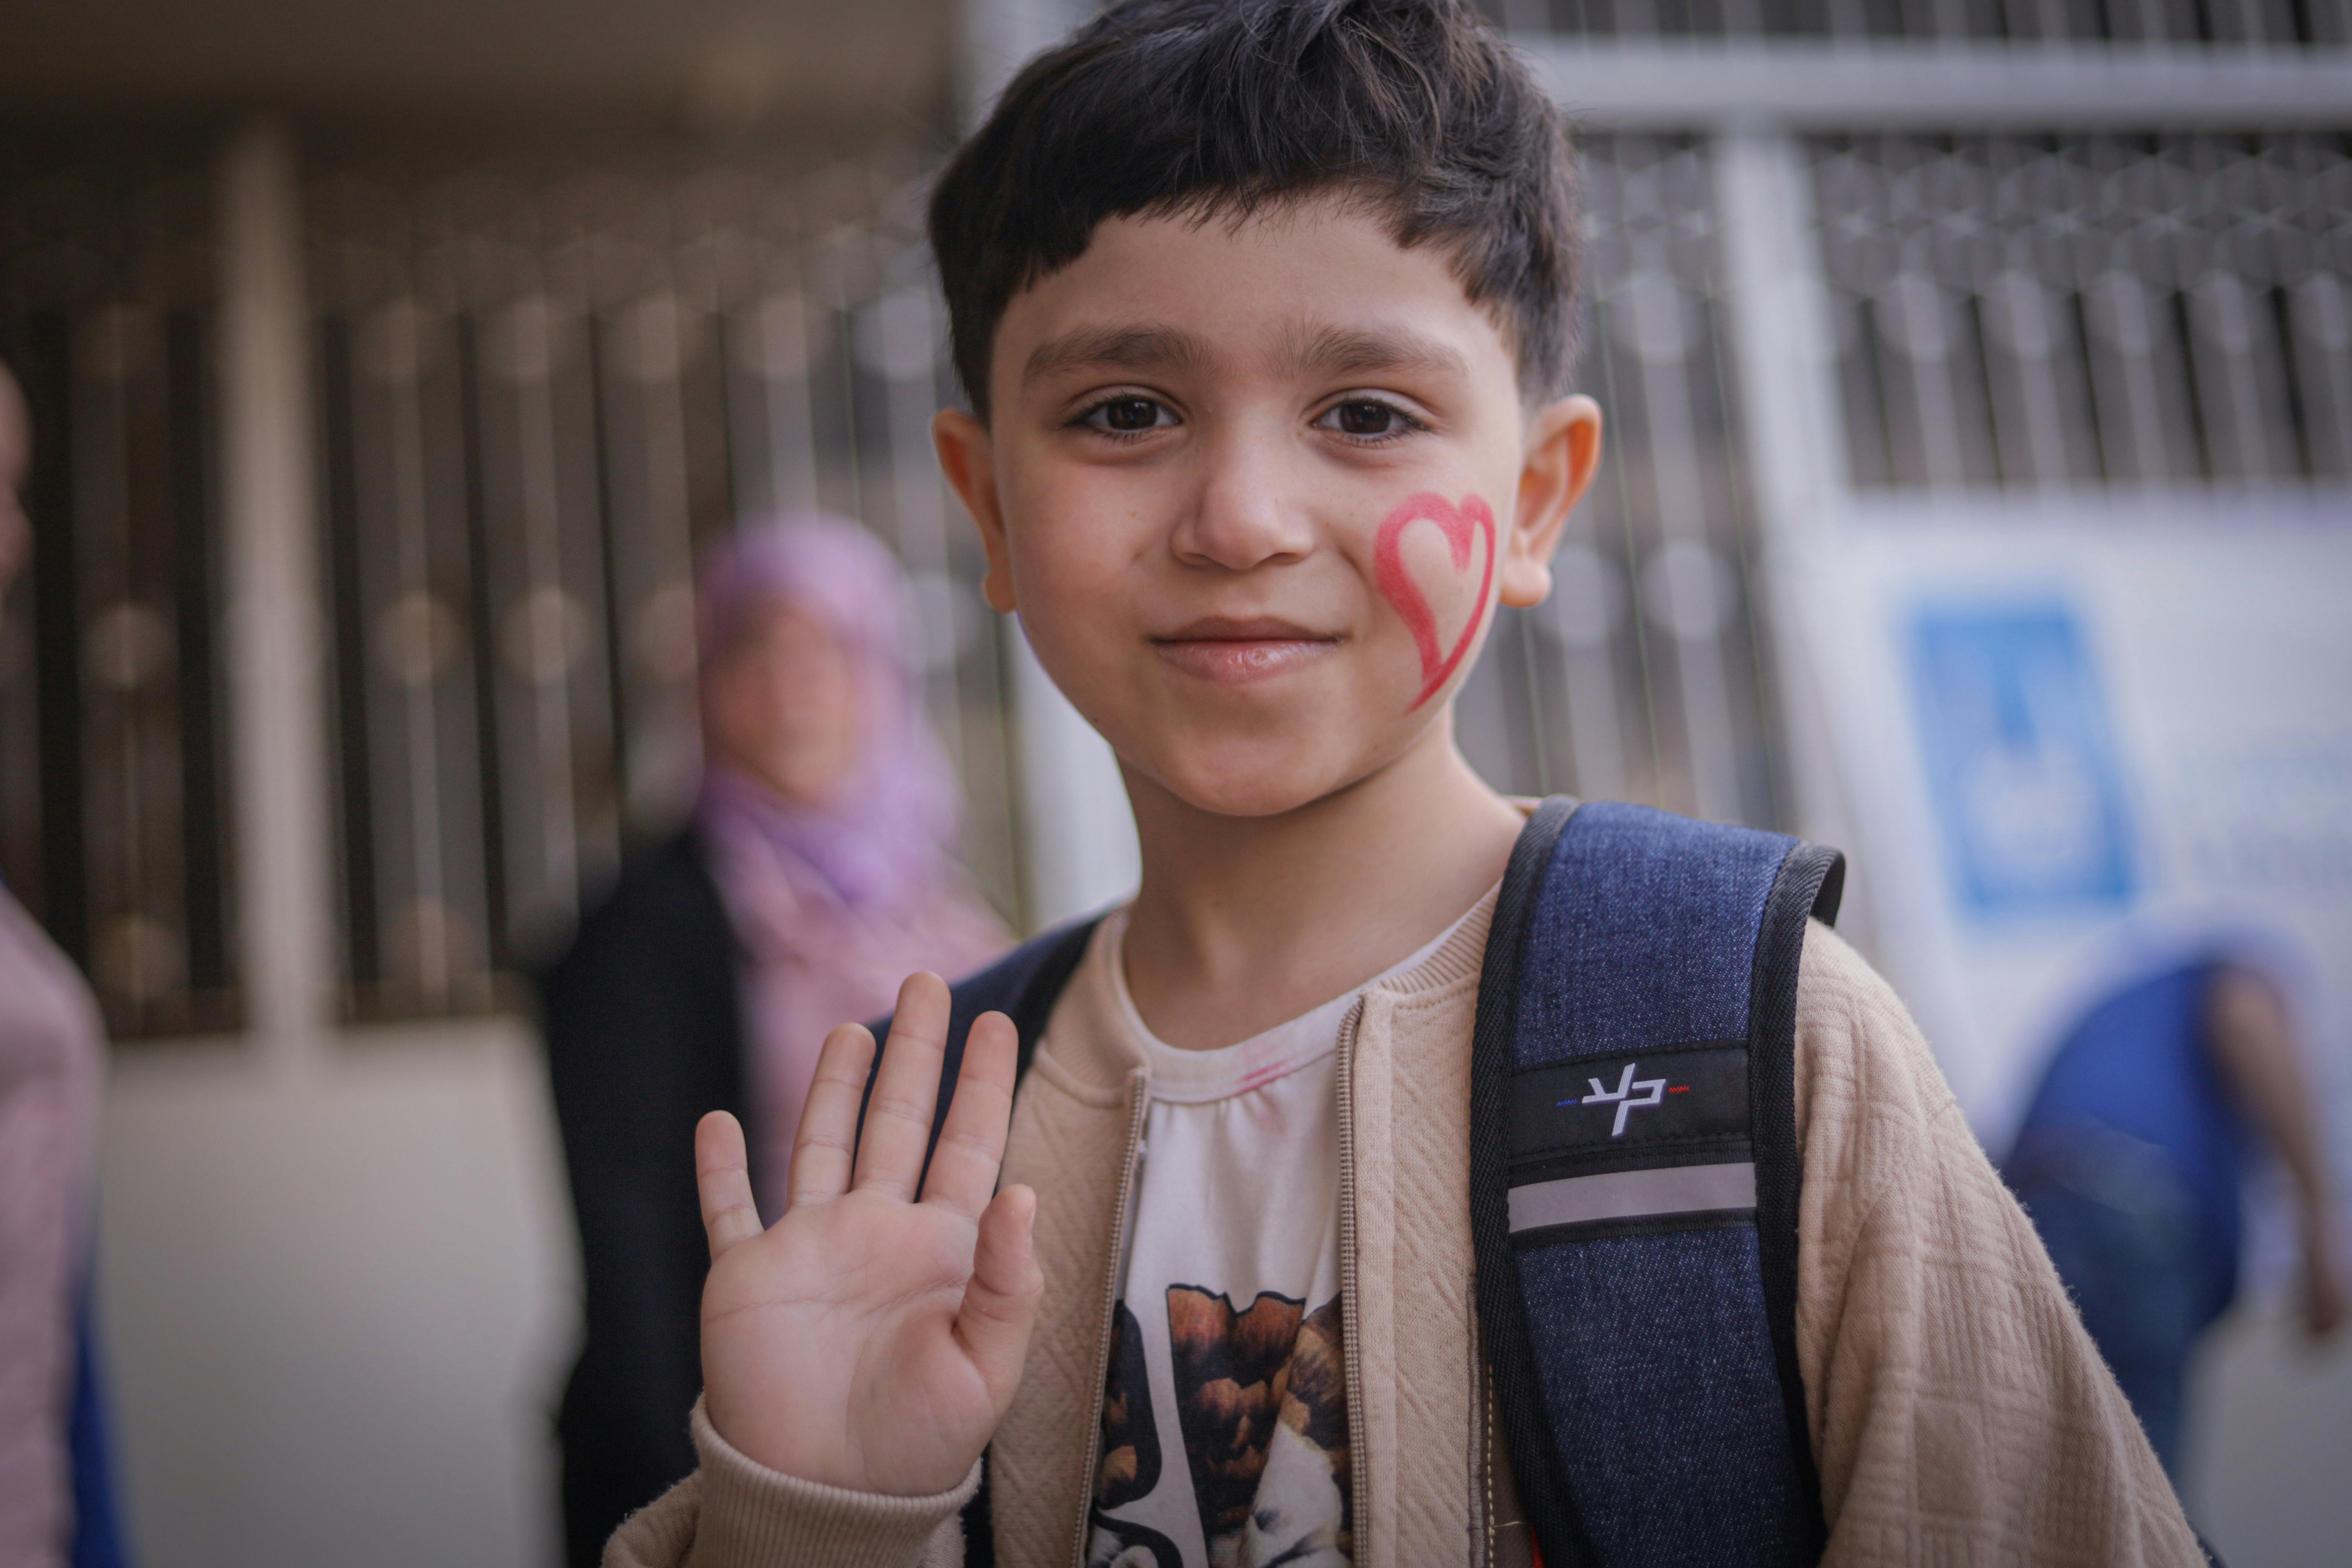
x: 1252, y: 776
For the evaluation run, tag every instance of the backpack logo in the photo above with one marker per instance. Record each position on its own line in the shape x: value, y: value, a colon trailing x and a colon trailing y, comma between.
x: 1687, y: 1095
x: 1631, y: 1094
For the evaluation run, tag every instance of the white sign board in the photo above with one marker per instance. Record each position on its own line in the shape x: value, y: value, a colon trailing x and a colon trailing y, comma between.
x: 2069, y: 736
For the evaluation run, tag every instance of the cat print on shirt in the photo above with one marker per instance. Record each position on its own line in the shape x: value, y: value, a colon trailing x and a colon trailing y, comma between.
x: 1129, y: 1467
x: 1261, y: 1401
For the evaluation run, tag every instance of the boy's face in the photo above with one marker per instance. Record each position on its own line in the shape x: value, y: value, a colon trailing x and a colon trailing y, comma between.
x: 1256, y: 489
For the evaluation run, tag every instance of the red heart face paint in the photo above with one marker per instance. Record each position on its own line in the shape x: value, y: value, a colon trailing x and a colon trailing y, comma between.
x: 1396, y: 583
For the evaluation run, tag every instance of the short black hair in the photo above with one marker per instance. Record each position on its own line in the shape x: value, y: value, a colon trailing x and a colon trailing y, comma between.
x: 1223, y: 107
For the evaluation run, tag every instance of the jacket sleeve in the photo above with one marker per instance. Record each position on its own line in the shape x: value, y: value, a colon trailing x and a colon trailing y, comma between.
x: 735, y: 1514
x: 1959, y: 1411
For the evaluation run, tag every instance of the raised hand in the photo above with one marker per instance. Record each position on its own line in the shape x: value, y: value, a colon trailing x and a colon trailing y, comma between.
x: 870, y: 1339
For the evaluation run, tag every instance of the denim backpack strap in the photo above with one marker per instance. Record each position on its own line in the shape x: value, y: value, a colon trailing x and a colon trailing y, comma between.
x: 1633, y: 1178
x: 1023, y: 986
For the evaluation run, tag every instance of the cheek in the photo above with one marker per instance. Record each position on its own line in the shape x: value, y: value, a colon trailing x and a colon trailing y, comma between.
x: 813, y: 699
x: 1433, y: 562
x: 732, y: 710
x: 1071, y: 556
x: 845, y: 710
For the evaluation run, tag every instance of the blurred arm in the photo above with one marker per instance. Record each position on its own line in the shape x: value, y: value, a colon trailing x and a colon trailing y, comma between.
x: 2254, y: 1047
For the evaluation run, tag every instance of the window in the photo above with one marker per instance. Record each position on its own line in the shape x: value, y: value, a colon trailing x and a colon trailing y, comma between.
x: 113, y: 712
x: 542, y: 387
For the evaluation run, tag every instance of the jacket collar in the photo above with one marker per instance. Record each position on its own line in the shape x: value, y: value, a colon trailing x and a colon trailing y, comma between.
x: 1095, y: 1056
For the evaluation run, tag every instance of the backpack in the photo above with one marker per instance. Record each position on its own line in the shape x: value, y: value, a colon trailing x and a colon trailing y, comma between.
x: 1634, y: 1180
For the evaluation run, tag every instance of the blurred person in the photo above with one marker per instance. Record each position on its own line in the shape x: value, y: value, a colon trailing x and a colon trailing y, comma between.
x: 816, y: 872
x: 2133, y: 1159
x: 55, y: 1505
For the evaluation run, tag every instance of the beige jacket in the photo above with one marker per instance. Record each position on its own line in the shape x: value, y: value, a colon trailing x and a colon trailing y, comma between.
x: 1959, y: 1413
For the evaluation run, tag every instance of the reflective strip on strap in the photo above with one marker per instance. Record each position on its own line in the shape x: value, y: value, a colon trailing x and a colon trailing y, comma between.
x: 1634, y: 1194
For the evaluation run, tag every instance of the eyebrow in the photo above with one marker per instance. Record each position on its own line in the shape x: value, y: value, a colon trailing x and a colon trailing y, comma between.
x: 1350, y: 350
x: 1124, y: 348
x: 1326, y: 350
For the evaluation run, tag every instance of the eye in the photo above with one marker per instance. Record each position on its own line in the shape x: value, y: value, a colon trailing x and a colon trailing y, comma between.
x: 1367, y: 419
x: 1127, y: 416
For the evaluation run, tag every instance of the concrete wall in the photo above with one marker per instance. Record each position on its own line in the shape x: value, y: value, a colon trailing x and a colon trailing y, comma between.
x: 2271, y: 1444
x: 338, y: 1300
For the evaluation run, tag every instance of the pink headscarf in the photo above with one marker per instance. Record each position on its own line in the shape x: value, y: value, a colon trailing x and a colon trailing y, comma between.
x: 834, y: 905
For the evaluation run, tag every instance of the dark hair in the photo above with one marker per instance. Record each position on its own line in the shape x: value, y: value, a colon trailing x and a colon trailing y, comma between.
x: 1221, y: 107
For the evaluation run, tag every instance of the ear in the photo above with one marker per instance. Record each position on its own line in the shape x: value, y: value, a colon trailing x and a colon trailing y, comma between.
x: 969, y: 464
x: 1563, y: 450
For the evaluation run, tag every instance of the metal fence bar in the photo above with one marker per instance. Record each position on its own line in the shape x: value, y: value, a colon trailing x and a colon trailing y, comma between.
x: 1636, y: 84
x: 2033, y: 311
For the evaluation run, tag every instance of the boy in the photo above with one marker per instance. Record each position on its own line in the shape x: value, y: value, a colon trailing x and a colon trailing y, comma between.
x: 1263, y: 312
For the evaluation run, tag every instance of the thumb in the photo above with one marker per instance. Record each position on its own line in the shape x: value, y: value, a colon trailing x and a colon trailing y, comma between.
x: 1000, y: 1302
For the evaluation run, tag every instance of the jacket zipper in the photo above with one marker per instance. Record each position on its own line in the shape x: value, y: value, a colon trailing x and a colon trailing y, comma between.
x: 1138, y: 1100
x: 1350, y: 1359
x: 1487, y: 1456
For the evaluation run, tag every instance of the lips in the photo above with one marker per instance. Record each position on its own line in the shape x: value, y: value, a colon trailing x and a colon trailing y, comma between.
x: 1239, y: 651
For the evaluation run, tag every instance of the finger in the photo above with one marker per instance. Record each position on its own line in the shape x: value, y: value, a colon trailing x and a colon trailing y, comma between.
x: 1000, y: 1304
x: 907, y: 1091
x: 971, y: 1143
x: 720, y: 1172
x: 826, y: 1140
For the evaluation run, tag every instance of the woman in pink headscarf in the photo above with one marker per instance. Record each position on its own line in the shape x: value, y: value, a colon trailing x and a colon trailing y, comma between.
x: 827, y: 803
x: 817, y: 873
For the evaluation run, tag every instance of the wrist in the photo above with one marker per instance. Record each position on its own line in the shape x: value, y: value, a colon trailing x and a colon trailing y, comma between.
x: 782, y: 1441
x: 752, y: 1514
x: 763, y: 1441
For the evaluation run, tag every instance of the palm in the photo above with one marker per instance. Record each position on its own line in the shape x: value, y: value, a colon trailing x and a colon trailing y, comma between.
x: 866, y: 1339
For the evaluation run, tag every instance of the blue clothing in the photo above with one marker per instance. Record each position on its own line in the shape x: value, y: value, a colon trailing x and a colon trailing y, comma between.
x: 2139, y: 1067
x: 97, y: 1540
x: 2135, y: 1274
x: 2130, y: 1164
x: 98, y: 1536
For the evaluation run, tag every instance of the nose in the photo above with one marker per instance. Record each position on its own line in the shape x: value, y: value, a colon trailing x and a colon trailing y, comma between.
x: 1244, y: 514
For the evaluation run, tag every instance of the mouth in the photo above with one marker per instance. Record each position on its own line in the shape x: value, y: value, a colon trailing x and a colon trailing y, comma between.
x: 1237, y: 652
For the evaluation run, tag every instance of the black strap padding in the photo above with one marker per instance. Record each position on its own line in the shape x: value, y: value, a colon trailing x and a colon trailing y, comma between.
x: 1502, y: 1310
x: 1023, y: 986
x: 1807, y: 886
x: 1833, y: 888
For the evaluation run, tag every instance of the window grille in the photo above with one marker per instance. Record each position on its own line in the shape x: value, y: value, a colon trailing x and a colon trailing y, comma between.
x: 1642, y: 676
x: 542, y: 389
x: 2274, y: 23
x: 114, y: 739
x: 2020, y: 310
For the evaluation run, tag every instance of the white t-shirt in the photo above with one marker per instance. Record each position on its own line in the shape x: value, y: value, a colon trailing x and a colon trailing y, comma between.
x: 1224, y: 1440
